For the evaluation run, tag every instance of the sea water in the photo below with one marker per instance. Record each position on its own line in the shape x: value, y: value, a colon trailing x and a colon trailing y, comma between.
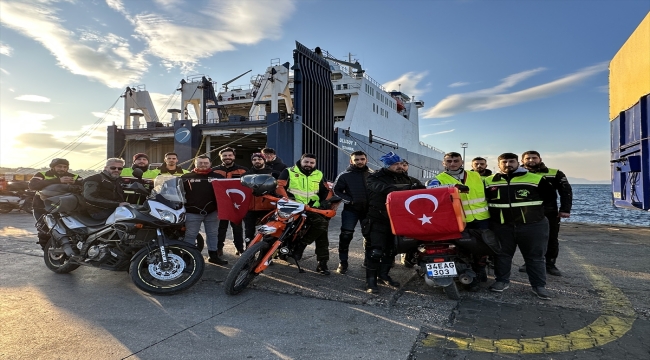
x: 593, y: 204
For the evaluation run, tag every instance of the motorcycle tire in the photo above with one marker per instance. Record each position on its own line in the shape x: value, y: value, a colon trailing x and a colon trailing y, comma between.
x: 242, y: 273
x: 451, y: 291
x: 5, y: 208
x: 60, y: 264
x: 186, y: 267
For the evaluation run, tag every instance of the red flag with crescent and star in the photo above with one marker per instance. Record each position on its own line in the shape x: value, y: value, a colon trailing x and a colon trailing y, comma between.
x: 233, y: 199
x: 427, y: 214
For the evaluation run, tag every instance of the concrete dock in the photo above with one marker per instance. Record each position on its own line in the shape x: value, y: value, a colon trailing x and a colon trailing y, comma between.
x: 600, y: 309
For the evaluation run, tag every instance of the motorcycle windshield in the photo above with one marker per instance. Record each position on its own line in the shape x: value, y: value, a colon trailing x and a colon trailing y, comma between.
x: 169, y: 187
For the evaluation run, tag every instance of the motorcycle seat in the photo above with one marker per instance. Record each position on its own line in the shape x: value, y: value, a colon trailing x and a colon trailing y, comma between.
x: 84, y: 218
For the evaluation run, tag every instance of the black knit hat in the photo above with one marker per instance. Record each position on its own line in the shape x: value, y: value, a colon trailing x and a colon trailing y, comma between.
x: 57, y: 161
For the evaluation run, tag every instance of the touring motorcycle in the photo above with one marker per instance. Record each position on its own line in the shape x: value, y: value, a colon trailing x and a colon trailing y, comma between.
x: 142, y: 239
x: 278, y: 236
x: 16, y: 197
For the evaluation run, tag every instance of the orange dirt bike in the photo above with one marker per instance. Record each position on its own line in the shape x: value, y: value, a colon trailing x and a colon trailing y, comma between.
x: 278, y: 236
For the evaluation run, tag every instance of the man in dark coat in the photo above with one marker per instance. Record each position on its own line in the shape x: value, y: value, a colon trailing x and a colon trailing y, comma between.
x: 103, y: 192
x: 350, y: 186
x: 273, y: 161
x: 260, y: 206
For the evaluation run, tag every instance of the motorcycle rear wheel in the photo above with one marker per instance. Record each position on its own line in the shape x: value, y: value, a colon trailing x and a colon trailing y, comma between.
x: 242, y: 273
x: 60, y: 263
x: 451, y: 291
x: 5, y: 208
x: 185, y: 268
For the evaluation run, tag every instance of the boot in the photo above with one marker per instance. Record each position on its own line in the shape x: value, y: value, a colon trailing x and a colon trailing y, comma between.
x: 384, y: 277
x: 343, y: 267
x: 298, y: 250
x: 322, y: 267
x: 213, y: 257
x: 220, y: 252
x: 551, y: 269
x: 371, y: 281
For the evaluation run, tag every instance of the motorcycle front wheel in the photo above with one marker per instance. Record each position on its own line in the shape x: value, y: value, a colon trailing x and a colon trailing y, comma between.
x: 242, y: 273
x: 56, y: 259
x: 184, y: 268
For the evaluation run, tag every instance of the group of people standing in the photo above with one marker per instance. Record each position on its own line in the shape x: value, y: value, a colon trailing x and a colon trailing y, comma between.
x: 519, y: 204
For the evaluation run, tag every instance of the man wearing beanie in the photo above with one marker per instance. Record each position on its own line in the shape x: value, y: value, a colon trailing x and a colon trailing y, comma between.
x: 259, y: 206
x: 380, y: 253
x: 140, y: 161
x: 58, y: 174
x: 474, y: 204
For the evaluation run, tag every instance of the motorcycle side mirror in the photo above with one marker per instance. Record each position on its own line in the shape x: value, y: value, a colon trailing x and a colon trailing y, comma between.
x: 137, y: 173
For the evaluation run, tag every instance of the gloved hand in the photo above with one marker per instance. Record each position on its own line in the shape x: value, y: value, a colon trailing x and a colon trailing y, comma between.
x: 417, y: 186
x: 462, y: 188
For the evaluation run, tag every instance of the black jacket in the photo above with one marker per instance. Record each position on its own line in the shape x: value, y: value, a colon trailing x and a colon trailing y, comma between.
x: 233, y: 172
x: 351, y: 186
x: 487, y: 172
x: 199, y: 194
x: 380, y: 184
x: 102, y: 192
x: 277, y: 164
x: 560, y: 184
x: 39, y: 182
x: 518, y: 215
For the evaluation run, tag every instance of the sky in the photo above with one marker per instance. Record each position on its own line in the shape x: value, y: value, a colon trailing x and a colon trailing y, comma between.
x: 502, y: 76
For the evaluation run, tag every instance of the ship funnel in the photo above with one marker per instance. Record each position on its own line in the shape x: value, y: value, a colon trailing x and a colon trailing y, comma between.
x: 136, y: 119
x: 174, y: 113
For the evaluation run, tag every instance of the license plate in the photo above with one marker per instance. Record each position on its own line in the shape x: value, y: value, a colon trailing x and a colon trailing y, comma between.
x: 441, y: 269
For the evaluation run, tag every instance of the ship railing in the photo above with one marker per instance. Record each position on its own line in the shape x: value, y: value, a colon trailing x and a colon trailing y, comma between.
x: 144, y: 126
x: 432, y: 147
x: 236, y: 119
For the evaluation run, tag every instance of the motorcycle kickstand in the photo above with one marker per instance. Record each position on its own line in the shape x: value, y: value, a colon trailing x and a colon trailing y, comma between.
x: 300, y: 270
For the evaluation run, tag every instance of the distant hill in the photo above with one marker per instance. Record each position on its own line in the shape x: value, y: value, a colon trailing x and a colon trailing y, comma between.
x: 576, y: 181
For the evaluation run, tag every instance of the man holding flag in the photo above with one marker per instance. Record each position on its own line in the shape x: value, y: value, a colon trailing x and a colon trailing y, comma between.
x: 229, y: 170
x: 201, y: 206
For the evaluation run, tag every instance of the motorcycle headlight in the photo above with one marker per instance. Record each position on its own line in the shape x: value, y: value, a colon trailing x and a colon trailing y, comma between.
x: 167, y: 215
x: 283, y: 214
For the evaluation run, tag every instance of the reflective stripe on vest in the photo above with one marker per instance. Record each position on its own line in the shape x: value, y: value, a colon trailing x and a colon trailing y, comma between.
x: 474, y: 203
x: 304, y: 188
x: 45, y: 177
x: 528, y: 180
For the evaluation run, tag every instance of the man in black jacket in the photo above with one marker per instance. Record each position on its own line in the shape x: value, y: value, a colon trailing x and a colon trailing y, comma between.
x: 350, y: 186
x: 479, y: 165
x: 532, y: 161
x: 201, y: 207
x: 516, y: 201
x: 380, y: 253
x: 273, y: 161
x: 260, y: 206
x: 58, y: 174
x: 103, y: 192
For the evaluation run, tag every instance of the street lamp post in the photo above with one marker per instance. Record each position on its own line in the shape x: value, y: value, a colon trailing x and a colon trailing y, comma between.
x: 464, y: 146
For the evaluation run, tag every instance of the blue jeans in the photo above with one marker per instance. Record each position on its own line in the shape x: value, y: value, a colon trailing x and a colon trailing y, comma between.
x: 193, y: 226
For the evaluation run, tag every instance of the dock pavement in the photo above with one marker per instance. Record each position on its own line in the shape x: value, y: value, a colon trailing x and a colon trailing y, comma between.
x: 600, y: 309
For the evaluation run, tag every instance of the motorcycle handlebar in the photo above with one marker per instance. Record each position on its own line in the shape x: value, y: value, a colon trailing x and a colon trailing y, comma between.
x: 327, y: 213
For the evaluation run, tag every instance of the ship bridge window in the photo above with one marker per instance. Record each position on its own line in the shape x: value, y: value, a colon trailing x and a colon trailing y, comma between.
x: 345, y: 86
x: 338, y: 86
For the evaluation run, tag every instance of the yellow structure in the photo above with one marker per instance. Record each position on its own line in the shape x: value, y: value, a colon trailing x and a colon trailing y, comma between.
x: 629, y: 70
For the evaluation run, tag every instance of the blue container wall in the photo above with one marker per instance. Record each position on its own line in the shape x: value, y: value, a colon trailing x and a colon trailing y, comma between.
x: 630, y: 157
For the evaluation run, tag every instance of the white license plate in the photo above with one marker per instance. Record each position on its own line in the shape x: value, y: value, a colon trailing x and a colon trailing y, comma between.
x: 441, y: 269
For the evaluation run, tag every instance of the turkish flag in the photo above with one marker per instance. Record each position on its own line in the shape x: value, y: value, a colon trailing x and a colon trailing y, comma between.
x: 427, y: 214
x: 233, y: 199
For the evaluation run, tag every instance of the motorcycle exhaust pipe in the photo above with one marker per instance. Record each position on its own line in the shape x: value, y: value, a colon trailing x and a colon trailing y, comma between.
x: 465, y: 279
x: 65, y: 242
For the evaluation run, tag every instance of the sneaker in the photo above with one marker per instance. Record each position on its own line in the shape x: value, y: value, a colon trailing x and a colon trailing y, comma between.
x: 217, y: 260
x: 553, y: 270
x: 239, y: 252
x: 343, y: 267
x: 220, y: 252
x: 522, y: 268
x: 499, y: 286
x: 541, y: 292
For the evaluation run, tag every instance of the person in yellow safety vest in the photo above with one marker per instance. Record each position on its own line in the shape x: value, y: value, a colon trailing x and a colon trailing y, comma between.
x: 474, y: 204
x: 479, y: 165
x: 170, y: 166
x: 140, y: 161
x: 58, y: 174
x: 517, y: 199
x: 305, y: 184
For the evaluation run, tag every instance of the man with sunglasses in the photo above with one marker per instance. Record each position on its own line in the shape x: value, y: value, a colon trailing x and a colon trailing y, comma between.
x: 103, y: 192
x: 58, y: 174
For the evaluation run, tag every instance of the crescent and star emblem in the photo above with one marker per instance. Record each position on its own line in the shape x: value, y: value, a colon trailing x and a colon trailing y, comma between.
x: 236, y: 191
x: 425, y: 219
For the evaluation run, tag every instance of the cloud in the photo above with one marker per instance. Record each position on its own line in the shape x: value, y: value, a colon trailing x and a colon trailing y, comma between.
x: 218, y: 27
x: 102, y: 57
x: 458, y: 84
x: 5, y: 71
x: 437, y: 133
x: 494, y: 98
x: 5, y: 49
x: 33, y: 98
x: 48, y: 141
x: 408, y: 83
x: 442, y: 122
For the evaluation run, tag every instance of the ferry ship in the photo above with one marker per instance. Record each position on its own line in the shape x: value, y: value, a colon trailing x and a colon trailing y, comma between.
x: 363, y: 116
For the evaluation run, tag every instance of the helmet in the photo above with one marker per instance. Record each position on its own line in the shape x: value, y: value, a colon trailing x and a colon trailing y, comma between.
x: 260, y: 183
x: 59, y: 161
